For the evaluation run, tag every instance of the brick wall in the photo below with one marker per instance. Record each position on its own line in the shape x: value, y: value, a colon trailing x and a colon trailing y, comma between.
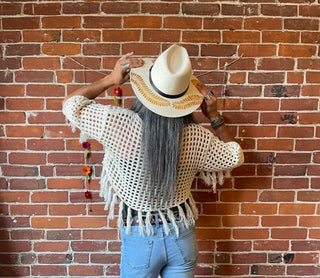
x: 267, y: 214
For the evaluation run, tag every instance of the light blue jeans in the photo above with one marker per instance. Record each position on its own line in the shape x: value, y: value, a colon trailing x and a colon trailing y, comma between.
x: 167, y: 255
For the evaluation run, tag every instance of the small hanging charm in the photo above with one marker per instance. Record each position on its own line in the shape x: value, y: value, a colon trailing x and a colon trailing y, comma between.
x: 88, y: 194
x: 117, y: 93
x: 86, y: 146
x: 214, y: 194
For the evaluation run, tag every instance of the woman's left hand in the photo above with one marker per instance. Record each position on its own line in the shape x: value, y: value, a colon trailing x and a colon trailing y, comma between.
x: 121, y: 73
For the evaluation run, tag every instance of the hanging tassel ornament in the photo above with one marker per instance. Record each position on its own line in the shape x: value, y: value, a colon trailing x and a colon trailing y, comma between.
x: 86, y: 170
x: 117, y: 93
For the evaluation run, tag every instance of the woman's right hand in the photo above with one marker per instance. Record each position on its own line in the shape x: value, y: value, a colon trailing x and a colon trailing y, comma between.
x: 120, y: 74
x: 208, y: 106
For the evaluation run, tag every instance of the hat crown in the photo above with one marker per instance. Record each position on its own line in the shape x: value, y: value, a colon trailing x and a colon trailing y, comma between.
x: 171, y: 71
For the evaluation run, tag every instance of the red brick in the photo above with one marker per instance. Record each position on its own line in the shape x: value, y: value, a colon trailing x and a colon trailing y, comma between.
x: 10, y: 9
x: 222, y: 23
x: 120, y: 35
x: 234, y: 246
x: 86, y: 222
x: 88, y: 246
x: 80, y: 8
x: 296, y: 132
x: 49, y: 270
x: 161, y: 35
x: 249, y: 258
x: 61, y: 49
x: 253, y: 183
x: 50, y: 63
x: 276, y: 64
x: 181, y: 22
x: 237, y: 77
x: 303, y: 245
x: 279, y: 196
x: 265, y: 78
x: 278, y: 36
x: 20, y: 23
x: 49, y: 222
x: 255, y: 50
x: 279, y: 10
x: 308, y: 196
x: 11, y: 271
x: 81, y: 36
x: 160, y: 8
x: 302, y: 270
x: 278, y: 221
x: 238, y: 196
x: 120, y: 8
x: 142, y: 22
x: 47, y: 90
x: 64, y: 76
x: 102, y: 21
x: 240, y: 221
x: 67, y: 209
x: 301, y: 24
x: 250, y: 234
x: 34, y: 76
x: 20, y: 171
x: 212, y: 233
x: 310, y: 90
x: 296, y: 50
x: 293, y: 158
x: 220, y: 209
x: 297, y: 209
x: 310, y: 37
x: 27, y: 158
x: 12, y: 144
x: 275, y: 144
x: 240, y: 37
x: 200, y: 9
x: 11, y: 90
x: 41, y: 36
x: 105, y: 258
x: 240, y: 9
x: 209, y: 221
x: 61, y: 22
x: 312, y: 77
x: 101, y: 49
x: 149, y: 49
x: 27, y: 234
x: 42, y: 9
x: 232, y: 270
x: 258, y: 23
x: 105, y: 234
x: 49, y: 197
x: 87, y: 270
x: 53, y: 259
x: 12, y: 117
x: 15, y: 246
x: 24, y: 131
x: 46, y: 118
x: 10, y: 37
x: 258, y: 209
x: 295, y: 77
x: 10, y: 63
x: 63, y: 235
x: 24, y: 104
x: 272, y: 245
x: 22, y: 50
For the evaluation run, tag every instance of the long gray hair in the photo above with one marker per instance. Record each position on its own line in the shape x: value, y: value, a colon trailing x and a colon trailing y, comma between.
x: 161, y: 141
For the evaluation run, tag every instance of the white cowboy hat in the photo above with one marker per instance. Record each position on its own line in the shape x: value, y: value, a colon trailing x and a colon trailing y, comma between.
x: 167, y: 86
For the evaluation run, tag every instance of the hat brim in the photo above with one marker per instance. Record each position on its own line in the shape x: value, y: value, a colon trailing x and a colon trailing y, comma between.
x: 167, y: 107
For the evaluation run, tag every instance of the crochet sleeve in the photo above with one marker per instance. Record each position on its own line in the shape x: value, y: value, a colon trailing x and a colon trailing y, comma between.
x: 223, y: 156
x: 220, y: 159
x: 85, y: 114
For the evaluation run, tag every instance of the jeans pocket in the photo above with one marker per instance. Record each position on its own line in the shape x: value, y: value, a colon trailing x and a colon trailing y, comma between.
x: 137, y: 252
x: 188, y: 247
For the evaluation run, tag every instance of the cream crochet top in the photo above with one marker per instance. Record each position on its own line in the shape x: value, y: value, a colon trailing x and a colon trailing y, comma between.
x: 123, y: 178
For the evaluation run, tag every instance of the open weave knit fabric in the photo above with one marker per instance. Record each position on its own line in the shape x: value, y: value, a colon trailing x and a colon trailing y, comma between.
x: 124, y: 178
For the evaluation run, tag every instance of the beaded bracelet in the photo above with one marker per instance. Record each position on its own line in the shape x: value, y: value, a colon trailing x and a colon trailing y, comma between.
x: 217, y: 122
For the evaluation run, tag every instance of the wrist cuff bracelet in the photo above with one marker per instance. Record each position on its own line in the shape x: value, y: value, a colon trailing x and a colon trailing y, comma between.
x: 217, y: 122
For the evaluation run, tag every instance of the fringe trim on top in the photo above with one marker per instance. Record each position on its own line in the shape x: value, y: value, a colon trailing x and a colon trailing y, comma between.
x: 145, y: 227
x: 210, y: 178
